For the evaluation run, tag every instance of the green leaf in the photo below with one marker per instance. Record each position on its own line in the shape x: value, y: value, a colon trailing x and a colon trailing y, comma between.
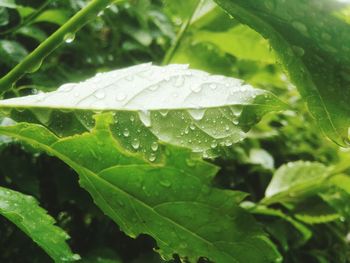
x: 11, y: 52
x: 296, y: 180
x: 172, y: 104
x: 24, y: 211
x: 239, y: 41
x: 305, y: 232
x: 8, y: 3
x: 172, y: 200
x: 55, y: 16
x: 315, y: 211
x: 338, y: 194
x: 311, y: 40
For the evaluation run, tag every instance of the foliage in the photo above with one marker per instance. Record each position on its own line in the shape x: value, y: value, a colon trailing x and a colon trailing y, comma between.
x: 215, y: 161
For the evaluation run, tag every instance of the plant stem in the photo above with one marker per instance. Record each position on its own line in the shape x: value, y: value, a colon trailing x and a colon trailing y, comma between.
x: 33, y: 61
x: 171, y: 51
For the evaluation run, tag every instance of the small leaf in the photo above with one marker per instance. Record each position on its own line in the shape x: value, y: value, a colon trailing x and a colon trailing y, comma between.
x: 295, y: 180
x: 24, y: 211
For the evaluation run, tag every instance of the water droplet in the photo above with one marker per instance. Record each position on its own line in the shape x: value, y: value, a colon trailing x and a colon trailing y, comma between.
x: 126, y: 132
x: 298, y: 51
x: 165, y: 183
x: 192, y: 126
x: 164, y: 113
x: 228, y: 142
x: 179, y: 81
x: 120, y: 96
x: 214, y: 144
x: 237, y: 110
x: 135, y: 143
x: 300, y: 27
x: 66, y: 87
x: 197, y: 114
x: 34, y: 67
x: 196, y: 88
x: 132, y: 118
x: 152, y: 157
x: 69, y: 37
x: 213, y: 86
x: 145, y: 117
x: 154, y: 146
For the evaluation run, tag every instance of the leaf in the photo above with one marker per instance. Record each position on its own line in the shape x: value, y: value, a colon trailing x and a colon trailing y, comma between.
x: 8, y: 3
x: 296, y: 179
x: 305, y: 232
x: 24, y: 211
x: 314, y: 210
x: 171, y: 200
x: 239, y: 41
x: 311, y: 40
x: 11, y: 52
x: 173, y: 104
x: 338, y: 194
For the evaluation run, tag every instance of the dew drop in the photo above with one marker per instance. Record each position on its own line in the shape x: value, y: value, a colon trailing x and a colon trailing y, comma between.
x: 214, y: 144
x: 228, y: 142
x: 300, y: 27
x: 192, y: 126
x: 213, y: 86
x: 298, y: 51
x: 236, y: 110
x: 34, y: 67
x: 66, y: 87
x: 120, y: 96
x: 69, y: 37
x: 164, y: 113
x: 165, y: 183
x: 196, y: 88
x: 135, y: 143
x: 152, y: 157
x: 154, y: 146
x: 235, y: 121
x: 145, y: 117
x: 126, y: 132
x: 179, y: 81
x: 197, y: 114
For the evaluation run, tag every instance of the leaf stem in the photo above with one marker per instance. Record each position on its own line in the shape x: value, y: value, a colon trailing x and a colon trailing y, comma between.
x: 33, y: 61
x: 172, y: 50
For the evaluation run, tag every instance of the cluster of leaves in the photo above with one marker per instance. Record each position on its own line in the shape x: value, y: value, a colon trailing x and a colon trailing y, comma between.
x: 281, y: 194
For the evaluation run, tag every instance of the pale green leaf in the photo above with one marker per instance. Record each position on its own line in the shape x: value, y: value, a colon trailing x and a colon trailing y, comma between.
x: 172, y: 104
x: 296, y: 179
x: 239, y: 41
